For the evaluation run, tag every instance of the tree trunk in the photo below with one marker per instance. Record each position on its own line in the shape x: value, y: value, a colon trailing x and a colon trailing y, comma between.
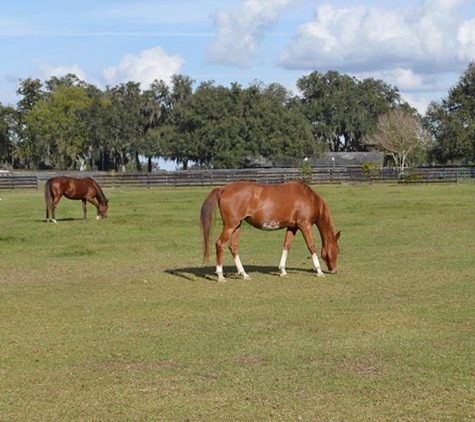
x: 122, y: 158
x: 138, y: 166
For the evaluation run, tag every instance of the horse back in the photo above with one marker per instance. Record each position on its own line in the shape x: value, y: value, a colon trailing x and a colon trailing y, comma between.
x: 73, y: 188
x: 270, y: 206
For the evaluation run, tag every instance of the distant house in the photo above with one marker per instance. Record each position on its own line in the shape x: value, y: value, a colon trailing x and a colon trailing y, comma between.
x: 336, y: 159
x: 344, y: 159
x: 259, y: 162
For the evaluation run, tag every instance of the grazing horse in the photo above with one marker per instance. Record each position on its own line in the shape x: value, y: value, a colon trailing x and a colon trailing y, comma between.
x: 293, y: 206
x: 85, y: 189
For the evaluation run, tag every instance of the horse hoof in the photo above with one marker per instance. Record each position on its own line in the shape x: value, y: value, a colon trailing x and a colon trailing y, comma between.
x: 320, y: 275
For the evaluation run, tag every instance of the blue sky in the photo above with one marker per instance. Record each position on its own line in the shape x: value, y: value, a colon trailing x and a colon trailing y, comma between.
x: 422, y: 47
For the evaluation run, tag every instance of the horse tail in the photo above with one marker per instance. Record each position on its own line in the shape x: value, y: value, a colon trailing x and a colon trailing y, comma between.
x: 48, y: 198
x: 207, y: 217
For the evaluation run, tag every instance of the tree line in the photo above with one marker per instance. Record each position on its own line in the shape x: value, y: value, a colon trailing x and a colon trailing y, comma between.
x: 66, y: 123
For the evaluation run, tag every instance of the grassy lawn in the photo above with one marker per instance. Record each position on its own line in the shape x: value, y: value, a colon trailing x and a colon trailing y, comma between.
x: 118, y: 320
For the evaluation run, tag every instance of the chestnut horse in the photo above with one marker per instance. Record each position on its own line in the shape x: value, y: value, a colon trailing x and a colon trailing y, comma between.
x: 293, y: 206
x: 85, y: 189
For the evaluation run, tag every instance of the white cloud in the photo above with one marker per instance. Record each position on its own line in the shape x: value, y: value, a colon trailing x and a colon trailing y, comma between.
x: 419, y: 102
x: 466, y: 39
x: 429, y: 35
x: 239, y: 33
x: 404, y: 79
x: 144, y: 67
x: 59, y: 71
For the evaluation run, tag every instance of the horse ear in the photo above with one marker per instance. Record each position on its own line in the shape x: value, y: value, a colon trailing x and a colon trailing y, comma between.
x: 337, y: 236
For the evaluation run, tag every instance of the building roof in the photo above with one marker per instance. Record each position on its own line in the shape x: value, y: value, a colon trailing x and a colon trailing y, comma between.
x: 336, y: 159
x: 339, y: 159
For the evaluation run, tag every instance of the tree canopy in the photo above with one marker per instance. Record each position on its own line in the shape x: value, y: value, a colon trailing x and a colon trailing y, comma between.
x: 452, y: 122
x: 342, y: 109
x: 66, y: 123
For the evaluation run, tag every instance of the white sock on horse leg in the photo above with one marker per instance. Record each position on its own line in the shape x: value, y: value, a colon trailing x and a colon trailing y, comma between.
x: 240, y: 268
x: 316, y: 265
x: 219, y: 273
x: 283, y: 260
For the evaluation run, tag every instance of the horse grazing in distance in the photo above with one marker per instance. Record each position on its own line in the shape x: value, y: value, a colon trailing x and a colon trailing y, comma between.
x: 293, y: 206
x: 86, y: 189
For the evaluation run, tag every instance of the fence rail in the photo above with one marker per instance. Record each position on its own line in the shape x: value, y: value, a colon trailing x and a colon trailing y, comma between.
x: 12, y: 181
x: 320, y: 175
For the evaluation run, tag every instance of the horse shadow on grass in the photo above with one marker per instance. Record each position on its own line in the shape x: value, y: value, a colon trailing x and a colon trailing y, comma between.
x: 191, y: 273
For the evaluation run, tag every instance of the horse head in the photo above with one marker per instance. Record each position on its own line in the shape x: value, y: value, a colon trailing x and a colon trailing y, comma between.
x: 330, y: 251
x: 102, y: 208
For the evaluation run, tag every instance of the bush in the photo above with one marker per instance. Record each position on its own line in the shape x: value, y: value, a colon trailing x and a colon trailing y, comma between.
x: 412, y: 176
x: 370, y: 170
x: 305, y: 173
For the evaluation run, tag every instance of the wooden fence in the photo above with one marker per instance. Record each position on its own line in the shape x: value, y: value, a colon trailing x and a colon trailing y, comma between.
x: 320, y: 175
x: 14, y: 181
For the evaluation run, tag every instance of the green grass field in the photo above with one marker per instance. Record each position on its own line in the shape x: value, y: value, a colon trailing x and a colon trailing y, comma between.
x: 118, y: 320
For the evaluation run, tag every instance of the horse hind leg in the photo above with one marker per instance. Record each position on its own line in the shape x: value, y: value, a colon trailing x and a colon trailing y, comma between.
x: 220, y: 244
x: 52, y: 218
x: 227, y: 234
x: 289, y: 238
x: 50, y: 214
x: 54, y: 204
x: 233, y: 247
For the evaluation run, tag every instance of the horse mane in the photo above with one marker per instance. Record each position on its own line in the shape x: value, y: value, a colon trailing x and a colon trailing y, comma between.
x: 325, y: 219
x: 100, y: 193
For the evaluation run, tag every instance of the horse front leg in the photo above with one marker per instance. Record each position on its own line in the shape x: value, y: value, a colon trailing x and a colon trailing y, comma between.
x: 307, y: 235
x: 233, y: 247
x: 84, y: 208
x: 94, y: 202
x: 289, y: 238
